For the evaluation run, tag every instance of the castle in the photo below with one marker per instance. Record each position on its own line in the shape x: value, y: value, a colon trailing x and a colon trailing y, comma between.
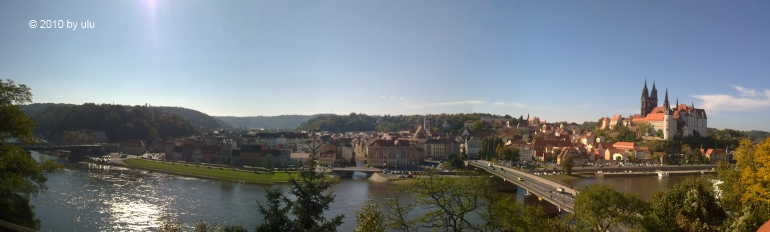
x: 664, y: 118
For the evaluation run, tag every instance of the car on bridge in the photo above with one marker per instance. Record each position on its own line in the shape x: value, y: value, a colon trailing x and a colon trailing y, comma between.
x: 521, y: 179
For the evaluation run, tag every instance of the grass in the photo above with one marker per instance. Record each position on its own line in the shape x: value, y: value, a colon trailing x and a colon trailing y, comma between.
x: 214, y: 172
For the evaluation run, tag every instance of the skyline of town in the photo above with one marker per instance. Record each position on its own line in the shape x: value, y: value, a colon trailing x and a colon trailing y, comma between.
x: 560, y: 61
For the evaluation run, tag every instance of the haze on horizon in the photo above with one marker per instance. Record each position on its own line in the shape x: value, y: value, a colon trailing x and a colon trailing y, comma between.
x: 557, y: 60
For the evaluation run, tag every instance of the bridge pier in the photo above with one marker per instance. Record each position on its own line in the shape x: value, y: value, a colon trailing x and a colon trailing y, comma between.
x: 349, y: 174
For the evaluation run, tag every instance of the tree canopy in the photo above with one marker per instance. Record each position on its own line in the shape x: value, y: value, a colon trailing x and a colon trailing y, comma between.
x: 20, y: 174
x: 117, y: 121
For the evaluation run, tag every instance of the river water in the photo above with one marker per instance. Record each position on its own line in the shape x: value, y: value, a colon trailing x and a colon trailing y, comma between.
x: 93, y: 197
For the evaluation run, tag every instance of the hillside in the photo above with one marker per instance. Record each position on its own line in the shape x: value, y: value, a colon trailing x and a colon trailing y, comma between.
x: 281, y: 121
x: 203, y: 121
x: 386, y: 123
x: 119, y: 122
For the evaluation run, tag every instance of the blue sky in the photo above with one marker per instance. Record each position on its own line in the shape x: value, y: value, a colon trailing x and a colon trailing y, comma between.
x: 559, y: 60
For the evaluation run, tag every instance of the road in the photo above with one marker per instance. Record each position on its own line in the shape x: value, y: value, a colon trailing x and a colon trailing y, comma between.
x: 535, y: 185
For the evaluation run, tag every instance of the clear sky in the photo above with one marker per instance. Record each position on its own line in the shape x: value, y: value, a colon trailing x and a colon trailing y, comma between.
x: 558, y: 60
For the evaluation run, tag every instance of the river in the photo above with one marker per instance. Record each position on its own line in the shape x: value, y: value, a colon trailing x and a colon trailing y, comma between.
x: 94, y: 197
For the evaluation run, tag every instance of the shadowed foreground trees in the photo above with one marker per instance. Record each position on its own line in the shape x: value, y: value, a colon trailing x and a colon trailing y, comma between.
x: 20, y: 174
x: 308, y: 208
x: 456, y: 204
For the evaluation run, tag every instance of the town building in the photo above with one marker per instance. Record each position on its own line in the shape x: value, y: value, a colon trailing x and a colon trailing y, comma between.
x: 392, y: 153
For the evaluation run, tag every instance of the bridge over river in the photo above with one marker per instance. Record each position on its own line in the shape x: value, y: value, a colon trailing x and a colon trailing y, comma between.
x: 59, y: 146
x: 543, y: 188
x: 348, y: 171
x: 77, y: 151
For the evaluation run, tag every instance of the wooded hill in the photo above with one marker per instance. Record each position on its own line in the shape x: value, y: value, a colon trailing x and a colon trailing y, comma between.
x: 203, y: 121
x: 117, y: 121
x: 388, y: 123
x: 274, y: 122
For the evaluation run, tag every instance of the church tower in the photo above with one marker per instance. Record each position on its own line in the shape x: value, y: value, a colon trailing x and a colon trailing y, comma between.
x: 645, y: 99
x: 653, y: 98
x: 669, y: 125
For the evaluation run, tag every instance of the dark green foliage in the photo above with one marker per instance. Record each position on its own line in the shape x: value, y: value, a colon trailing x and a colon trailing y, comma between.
x: 625, y: 135
x: 455, y: 162
x: 15, y: 208
x: 308, y: 208
x: 489, y: 147
x: 119, y: 122
x: 602, y: 208
x: 567, y: 164
x: 757, y: 136
x: 588, y: 126
x: 276, y: 213
x: 203, y: 121
x: 388, y: 123
x: 20, y: 174
x: 281, y: 121
x: 688, y: 206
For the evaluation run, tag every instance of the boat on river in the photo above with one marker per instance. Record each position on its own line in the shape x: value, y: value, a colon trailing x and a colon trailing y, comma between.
x: 663, y: 174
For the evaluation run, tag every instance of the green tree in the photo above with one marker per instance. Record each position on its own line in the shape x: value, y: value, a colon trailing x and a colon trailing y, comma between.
x: 510, y: 154
x: 308, y: 207
x: 369, y: 218
x: 689, y: 206
x: 72, y: 137
x: 644, y: 129
x: 20, y: 174
x: 451, y: 202
x: 602, y: 208
x: 624, y: 134
x: 659, y: 133
x: 567, y: 164
x: 697, y: 156
x: 152, y: 135
x: 268, y: 165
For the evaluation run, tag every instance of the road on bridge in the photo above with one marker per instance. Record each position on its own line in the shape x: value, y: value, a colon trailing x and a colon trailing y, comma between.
x: 535, y: 185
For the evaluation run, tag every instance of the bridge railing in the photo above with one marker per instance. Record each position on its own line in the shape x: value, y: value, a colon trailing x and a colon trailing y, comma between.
x: 526, y: 185
x: 552, y: 183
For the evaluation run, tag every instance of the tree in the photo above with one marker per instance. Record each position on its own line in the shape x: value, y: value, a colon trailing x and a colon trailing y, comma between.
x: 602, y: 208
x: 275, y: 214
x: 20, y: 174
x: 744, y: 189
x: 644, y: 129
x: 567, y: 164
x: 697, y: 156
x: 659, y: 133
x: 510, y: 154
x: 268, y: 165
x: 625, y: 134
x: 451, y: 202
x: 308, y: 208
x: 369, y: 218
x: 689, y: 206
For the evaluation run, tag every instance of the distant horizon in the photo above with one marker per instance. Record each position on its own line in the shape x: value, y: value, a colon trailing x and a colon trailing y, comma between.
x: 501, y: 115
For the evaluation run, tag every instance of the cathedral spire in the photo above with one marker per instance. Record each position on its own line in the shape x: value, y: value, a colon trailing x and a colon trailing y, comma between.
x: 644, y: 91
x: 666, y: 106
x: 654, y: 93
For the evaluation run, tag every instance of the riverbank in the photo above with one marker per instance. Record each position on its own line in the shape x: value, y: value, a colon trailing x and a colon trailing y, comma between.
x: 212, y: 172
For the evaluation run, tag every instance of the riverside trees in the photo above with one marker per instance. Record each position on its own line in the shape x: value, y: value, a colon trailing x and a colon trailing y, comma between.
x: 450, y: 203
x: 308, y: 208
x: 20, y: 174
